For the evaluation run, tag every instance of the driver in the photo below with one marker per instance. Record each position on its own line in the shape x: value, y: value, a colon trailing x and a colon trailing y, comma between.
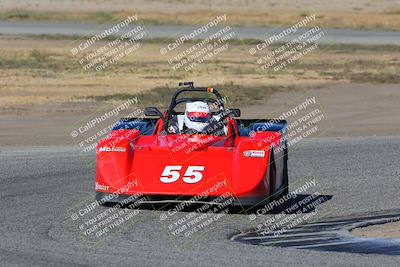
x: 197, y: 117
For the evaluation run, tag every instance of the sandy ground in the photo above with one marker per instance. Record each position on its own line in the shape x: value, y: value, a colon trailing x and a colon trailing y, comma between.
x: 388, y: 230
x: 351, y: 110
x: 174, y: 6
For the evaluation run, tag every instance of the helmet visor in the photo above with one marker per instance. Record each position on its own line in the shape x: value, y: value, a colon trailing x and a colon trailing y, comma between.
x: 199, y: 116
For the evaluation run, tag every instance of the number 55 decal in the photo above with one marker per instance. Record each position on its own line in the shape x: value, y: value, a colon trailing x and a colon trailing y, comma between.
x: 193, y: 174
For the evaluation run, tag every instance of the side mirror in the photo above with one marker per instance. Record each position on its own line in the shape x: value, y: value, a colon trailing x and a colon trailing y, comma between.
x: 152, y: 112
x: 235, y: 112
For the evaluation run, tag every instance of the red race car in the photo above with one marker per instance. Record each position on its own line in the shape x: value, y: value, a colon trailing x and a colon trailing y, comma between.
x: 196, y: 151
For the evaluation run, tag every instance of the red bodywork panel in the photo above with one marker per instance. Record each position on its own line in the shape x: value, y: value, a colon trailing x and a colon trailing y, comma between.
x: 130, y: 163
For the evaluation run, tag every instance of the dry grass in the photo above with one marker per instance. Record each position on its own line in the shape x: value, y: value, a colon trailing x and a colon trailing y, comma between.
x: 387, y: 19
x: 40, y: 72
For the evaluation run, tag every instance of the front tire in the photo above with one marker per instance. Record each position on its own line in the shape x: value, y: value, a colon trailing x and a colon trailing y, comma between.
x: 283, y: 190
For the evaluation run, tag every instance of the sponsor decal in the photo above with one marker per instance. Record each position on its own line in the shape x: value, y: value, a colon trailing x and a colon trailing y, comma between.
x: 254, y: 153
x: 102, y: 187
x: 112, y: 149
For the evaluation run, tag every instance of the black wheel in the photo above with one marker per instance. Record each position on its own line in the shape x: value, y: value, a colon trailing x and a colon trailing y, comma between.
x: 284, y: 189
x: 285, y: 172
x: 272, y: 176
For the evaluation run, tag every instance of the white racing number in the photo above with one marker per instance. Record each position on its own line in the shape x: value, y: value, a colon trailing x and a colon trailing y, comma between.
x: 193, y: 174
x: 170, y: 174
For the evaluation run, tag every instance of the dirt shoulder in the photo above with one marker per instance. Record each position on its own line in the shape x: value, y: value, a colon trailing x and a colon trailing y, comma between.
x: 352, y: 109
x: 387, y: 230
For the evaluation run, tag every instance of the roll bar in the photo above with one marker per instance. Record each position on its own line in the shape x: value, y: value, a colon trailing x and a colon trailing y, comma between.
x: 189, y: 87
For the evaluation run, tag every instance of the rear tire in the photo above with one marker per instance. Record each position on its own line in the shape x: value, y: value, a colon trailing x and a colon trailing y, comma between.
x: 285, y: 172
x: 283, y: 190
x: 272, y: 176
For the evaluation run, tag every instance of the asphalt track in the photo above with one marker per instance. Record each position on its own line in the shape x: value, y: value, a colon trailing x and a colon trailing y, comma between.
x: 41, y: 185
x: 332, y: 36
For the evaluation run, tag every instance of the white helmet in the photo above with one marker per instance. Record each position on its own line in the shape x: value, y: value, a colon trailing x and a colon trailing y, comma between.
x: 197, y: 115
